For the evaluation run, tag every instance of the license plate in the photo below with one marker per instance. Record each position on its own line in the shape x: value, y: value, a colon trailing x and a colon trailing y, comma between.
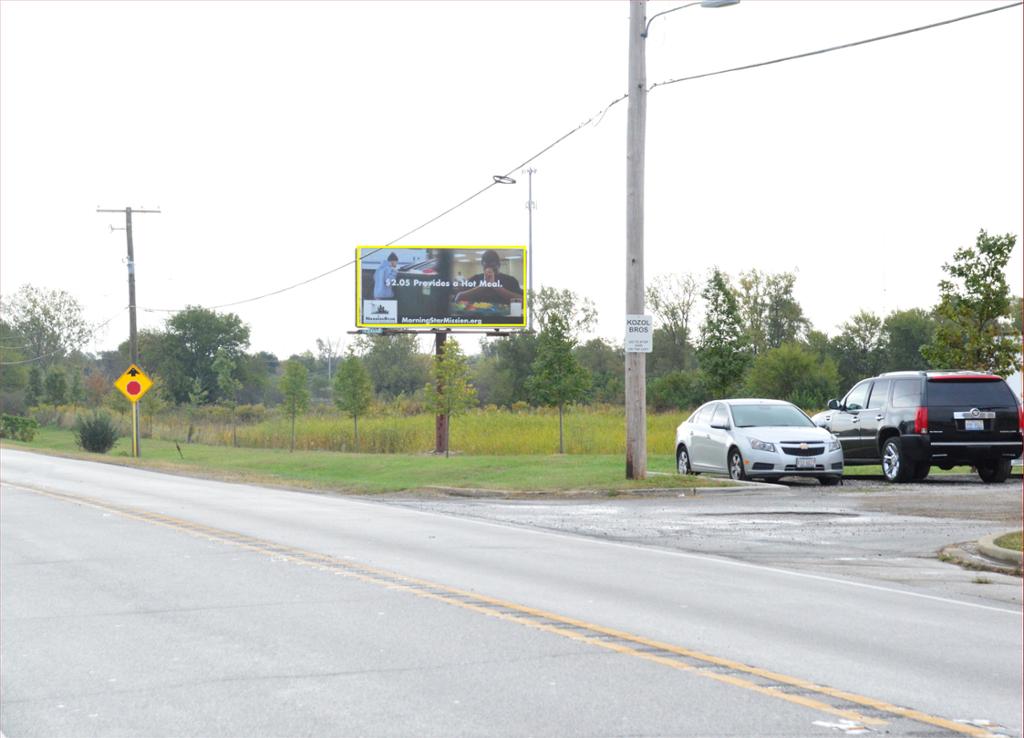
x: 974, y: 425
x: 807, y: 462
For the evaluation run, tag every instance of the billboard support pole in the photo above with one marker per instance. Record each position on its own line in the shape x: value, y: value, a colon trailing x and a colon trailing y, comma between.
x: 440, y: 421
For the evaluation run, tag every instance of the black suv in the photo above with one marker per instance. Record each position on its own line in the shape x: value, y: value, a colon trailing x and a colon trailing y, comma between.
x: 907, y: 421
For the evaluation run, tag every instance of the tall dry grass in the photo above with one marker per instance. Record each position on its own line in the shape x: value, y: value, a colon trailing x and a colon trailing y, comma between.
x: 485, y: 431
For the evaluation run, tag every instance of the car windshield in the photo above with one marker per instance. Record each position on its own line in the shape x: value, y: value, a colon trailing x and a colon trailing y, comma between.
x: 752, y: 416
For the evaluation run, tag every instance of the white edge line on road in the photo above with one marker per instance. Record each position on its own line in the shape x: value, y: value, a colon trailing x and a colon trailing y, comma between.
x: 582, y: 537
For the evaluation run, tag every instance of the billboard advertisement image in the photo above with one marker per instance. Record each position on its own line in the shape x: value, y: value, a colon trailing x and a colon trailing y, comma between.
x: 441, y: 287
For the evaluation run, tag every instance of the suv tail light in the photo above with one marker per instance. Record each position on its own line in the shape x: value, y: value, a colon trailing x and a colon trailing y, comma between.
x: 1022, y: 418
x: 921, y: 420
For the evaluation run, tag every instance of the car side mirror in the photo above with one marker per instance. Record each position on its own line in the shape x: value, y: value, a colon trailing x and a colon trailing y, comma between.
x: 721, y: 427
x: 833, y: 405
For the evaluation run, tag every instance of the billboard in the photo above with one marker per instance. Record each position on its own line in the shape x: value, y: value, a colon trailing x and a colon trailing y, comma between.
x: 441, y: 287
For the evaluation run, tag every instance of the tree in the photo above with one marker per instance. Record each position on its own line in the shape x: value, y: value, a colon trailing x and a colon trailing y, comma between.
x: 606, y: 365
x: 14, y: 373
x: 256, y: 372
x: 186, y: 352
x: 671, y: 298
x: 1017, y: 314
x: 859, y: 348
x: 904, y: 334
x: 56, y: 387
x: 225, y: 366
x: 97, y: 387
x: 557, y: 377
x: 296, y: 393
x: 974, y: 329
x: 579, y: 313
x: 34, y: 390
x: 771, y: 315
x: 723, y: 350
x: 76, y: 391
x: 49, y: 321
x: 794, y: 373
x: 677, y: 391
x: 450, y: 393
x: 394, y: 362
x: 196, y: 396
x: 504, y: 368
x: 353, y: 391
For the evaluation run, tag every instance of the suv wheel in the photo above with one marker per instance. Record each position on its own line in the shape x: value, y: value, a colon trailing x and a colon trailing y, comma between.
x: 994, y: 471
x: 895, y: 466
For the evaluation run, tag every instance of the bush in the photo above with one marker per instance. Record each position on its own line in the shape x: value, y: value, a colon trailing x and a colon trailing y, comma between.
x: 18, y: 428
x: 12, y: 402
x: 96, y: 433
x: 677, y: 390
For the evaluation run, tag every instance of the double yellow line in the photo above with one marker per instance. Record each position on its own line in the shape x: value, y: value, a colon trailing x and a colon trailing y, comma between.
x: 846, y: 705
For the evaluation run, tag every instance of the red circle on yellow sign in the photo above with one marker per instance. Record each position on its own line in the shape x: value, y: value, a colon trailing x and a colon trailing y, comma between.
x: 133, y: 388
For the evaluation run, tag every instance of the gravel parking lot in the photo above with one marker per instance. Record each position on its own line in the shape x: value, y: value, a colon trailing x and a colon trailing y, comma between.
x: 866, y: 530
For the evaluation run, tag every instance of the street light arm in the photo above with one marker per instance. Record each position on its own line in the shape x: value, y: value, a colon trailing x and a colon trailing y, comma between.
x: 664, y: 12
x: 702, y: 3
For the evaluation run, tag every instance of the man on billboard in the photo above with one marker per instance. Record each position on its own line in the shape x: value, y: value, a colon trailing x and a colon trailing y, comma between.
x: 491, y: 286
x: 384, y: 278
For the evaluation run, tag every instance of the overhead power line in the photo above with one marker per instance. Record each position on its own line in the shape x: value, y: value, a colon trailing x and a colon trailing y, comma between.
x: 833, y: 48
x: 600, y: 116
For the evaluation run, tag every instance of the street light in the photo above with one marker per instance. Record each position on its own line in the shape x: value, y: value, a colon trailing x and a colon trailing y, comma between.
x: 636, y: 362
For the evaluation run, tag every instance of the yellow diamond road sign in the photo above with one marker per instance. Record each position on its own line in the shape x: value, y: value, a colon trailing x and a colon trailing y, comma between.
x: 133, y: 383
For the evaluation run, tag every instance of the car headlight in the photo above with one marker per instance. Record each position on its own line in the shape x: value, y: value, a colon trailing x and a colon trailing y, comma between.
x: 761, y: 445
x: 834, y: 444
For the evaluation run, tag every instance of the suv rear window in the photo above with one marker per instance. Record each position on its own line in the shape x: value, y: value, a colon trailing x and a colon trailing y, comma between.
x: 976, y: 394
x: 906, y: 393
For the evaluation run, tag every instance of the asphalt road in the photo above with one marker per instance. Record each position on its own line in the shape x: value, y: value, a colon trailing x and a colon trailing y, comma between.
x: 136, y: 603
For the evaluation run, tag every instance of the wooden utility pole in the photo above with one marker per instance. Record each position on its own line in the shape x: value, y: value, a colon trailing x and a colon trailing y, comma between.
x: 133, y: 333
x: 636, y: 362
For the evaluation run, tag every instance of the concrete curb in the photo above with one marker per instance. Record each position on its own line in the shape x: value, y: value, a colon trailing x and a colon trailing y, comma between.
x: 987, y: 546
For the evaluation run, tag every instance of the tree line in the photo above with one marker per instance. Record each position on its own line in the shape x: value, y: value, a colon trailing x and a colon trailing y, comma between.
x: 753, y: 338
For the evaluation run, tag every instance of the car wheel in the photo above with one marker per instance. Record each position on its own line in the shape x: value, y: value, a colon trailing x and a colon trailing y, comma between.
x: 736, y: 470
x: 828, y: 481
x: 921, y: 471
x: 895, y: 465
x: 994, y: 471
x: 683, y: 461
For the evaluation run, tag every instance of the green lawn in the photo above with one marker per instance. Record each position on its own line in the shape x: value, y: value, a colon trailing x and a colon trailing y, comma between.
x: 373, y: 473
x: 1011, y: 541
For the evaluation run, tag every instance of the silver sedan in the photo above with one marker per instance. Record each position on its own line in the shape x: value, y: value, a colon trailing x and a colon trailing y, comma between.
x: 747, y: 438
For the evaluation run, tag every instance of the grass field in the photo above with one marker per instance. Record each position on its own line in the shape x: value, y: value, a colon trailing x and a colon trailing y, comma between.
x: 374, y: 473
x: 479, y: 432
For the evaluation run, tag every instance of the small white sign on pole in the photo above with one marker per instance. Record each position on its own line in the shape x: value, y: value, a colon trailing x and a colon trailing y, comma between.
x: 639, y: 334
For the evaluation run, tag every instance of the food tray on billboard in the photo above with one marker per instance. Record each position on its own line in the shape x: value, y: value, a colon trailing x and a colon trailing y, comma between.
x: 441, y: 287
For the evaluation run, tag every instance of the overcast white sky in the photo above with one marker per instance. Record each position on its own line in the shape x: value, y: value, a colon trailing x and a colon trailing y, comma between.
x: 276, y: 137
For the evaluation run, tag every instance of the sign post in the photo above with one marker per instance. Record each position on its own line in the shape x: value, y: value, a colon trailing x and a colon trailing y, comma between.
x: 133, y: 384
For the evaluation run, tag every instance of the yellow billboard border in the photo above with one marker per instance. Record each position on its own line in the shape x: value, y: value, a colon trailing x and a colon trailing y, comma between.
x: 440, y: 326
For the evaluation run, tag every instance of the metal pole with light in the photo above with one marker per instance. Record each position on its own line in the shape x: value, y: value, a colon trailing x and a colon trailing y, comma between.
x: 636, y: 361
